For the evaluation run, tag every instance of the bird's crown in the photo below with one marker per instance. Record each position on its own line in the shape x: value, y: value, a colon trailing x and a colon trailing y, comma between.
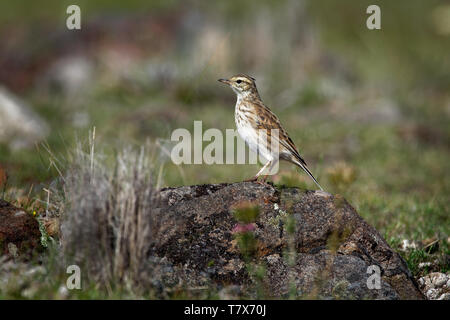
x: 243, y: 78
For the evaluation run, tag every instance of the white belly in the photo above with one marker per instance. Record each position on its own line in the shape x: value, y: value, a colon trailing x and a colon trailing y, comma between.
x: 250, y: 136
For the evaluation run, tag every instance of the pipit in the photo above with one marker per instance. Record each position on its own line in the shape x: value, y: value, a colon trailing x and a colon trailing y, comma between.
x: 254, y: 120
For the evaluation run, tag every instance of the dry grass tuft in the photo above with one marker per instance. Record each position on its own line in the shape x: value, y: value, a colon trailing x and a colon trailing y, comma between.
x: 108, y: 224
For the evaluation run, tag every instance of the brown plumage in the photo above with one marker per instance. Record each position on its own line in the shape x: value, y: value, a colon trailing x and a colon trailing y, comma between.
x: 252, y: 116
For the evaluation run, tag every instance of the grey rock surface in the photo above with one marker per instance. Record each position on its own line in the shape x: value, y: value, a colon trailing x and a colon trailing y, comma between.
x: 332, y: 245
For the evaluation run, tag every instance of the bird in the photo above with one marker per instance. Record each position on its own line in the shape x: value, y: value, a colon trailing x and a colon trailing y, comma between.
x: 252, y: 116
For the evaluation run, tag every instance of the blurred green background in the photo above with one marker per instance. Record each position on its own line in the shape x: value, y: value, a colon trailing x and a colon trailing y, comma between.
x: 368, y: 109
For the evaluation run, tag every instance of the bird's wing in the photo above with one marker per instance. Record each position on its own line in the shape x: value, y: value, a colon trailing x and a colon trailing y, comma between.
x: 266, y: 119
x: 263, y: 118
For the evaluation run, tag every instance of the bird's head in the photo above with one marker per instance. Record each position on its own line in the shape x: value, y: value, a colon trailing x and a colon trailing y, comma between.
x: 242, y: 84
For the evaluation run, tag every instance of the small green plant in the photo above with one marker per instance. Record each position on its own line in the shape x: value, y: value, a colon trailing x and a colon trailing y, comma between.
x: 246, y: 212
x: 45, y: 238
x: 413, y: 259
x: 258, y: 273
x: 247, y: 244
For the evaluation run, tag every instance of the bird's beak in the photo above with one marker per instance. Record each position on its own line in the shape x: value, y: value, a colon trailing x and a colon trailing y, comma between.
x: 224, y: 81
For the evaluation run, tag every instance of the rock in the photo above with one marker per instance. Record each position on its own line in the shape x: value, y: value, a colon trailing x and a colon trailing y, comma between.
x: 333, y: 246
x: 19, y: 231
x: 408, y: 245
x: 440, y: 279
x: 435, y: 286
x: 20, y: 278
x: 445, y: 296
x: 424, y: 265
x: 20, y: 127
x: 432, y: 294
x: 71, y: 75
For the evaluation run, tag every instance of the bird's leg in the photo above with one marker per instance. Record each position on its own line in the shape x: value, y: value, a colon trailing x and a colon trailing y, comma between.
x: 263, y: 168
x: 273, y: 163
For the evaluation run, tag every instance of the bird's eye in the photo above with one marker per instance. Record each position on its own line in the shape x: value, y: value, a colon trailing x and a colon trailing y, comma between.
x: 238, y: 81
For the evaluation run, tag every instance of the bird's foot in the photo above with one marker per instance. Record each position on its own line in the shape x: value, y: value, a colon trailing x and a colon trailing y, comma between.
x: 263, y: 181
x: 255, y: 179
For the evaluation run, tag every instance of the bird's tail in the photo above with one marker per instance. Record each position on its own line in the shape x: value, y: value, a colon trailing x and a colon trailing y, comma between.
x: 305, y: 168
